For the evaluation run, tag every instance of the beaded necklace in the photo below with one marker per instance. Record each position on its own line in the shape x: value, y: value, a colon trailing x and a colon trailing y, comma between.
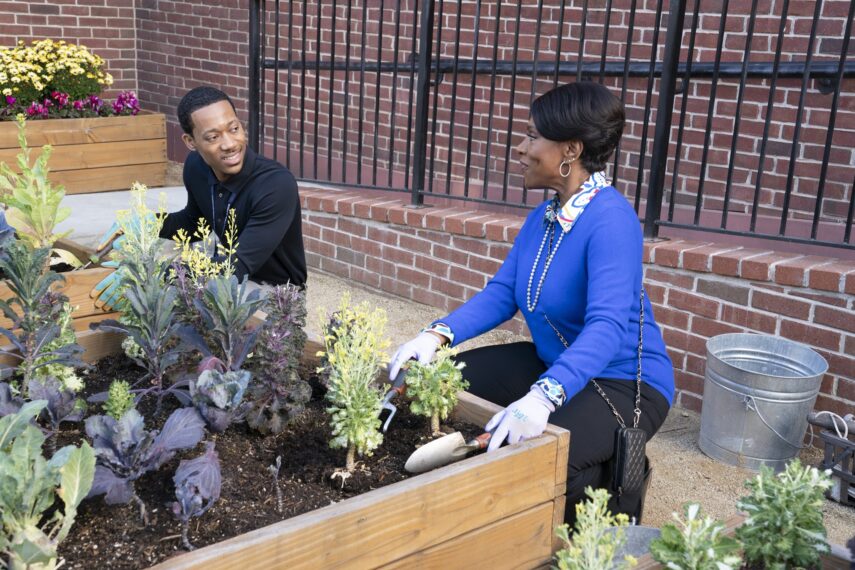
x: 566, y: 217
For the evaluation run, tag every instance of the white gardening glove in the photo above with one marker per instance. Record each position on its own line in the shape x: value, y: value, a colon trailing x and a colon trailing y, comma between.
x: 523, y: 419
x: 422, y: 348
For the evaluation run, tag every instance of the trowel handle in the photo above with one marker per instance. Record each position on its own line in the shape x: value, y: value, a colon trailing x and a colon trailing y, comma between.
x: 481, y: 441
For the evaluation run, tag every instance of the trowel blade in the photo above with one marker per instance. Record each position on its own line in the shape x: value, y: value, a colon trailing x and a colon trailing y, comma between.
x: 445, y: 450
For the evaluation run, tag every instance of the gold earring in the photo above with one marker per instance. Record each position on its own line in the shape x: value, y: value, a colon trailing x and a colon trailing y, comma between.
x: 564, y: 162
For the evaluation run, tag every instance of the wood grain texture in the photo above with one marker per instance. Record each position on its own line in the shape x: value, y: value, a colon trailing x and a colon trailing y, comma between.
x: 521, y: 541
x: 96, y: 155
x: 111, y: 178
x: 57, y: 132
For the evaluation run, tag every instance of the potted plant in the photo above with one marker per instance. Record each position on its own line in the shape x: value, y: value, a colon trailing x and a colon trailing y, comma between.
x: 97, y: 145
x: 696, y: 543
x: 34, y: 209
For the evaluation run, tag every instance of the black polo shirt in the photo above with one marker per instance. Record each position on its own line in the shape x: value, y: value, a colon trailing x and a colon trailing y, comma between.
x: 267, y: 210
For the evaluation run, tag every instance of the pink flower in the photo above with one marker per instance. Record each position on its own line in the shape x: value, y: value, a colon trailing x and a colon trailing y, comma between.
x: 10, y: 100
x: 78, y: 105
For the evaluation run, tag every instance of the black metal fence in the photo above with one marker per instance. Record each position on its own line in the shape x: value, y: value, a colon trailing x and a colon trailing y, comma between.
x: 741, y: 118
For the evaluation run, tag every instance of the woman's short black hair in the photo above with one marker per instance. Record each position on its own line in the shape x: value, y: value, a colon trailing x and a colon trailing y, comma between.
x: 586, y: 112
x: 197, y: 98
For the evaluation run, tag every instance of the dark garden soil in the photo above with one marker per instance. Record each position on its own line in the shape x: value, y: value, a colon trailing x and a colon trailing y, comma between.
x: 106, y: 536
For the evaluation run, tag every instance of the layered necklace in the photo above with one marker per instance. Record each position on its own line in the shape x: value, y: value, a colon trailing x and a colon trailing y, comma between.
x: 565, y: 217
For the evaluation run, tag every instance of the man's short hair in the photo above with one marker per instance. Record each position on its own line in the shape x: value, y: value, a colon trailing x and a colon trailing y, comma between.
x: 197, y: 98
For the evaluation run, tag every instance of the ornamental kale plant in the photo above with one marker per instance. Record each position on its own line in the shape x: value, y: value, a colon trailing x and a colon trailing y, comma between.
x: 119, y: 399
x: 34, y: 203
x: 29, y: 487
x: 62, y: 404
x: 354, y: 352
x: 433, y: 387
x: 35, y: 329
x: 197, y: 487
x: 695, y: 543
x: 10, y: 401
x: 126, y: 451
x: 784, y: 527
x: 65, y: 374
x: 277, y: 393
x: 594, y: 542
x: 218, y: 396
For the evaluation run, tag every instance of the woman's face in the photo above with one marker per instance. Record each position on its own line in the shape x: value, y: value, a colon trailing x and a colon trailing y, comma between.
x: 540, y: 159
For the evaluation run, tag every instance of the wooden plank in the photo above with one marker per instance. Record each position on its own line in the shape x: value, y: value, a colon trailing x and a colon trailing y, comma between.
x: 395, y: 521
x: 520, y: 541
x: 96, y: 155
x: 90, y: 180
x: 82, y: 324
x: 146, y: 125
x: 98, y: 344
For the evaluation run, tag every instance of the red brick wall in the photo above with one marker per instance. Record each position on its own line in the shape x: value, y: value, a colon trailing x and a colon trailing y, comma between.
x: 106, y: 27
x: 442, y: 256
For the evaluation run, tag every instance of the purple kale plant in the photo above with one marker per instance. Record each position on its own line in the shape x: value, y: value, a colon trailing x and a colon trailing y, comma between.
x: 63, y: 404
x: 197, y: 487
x: 125, y: 451
x: 218, y: 396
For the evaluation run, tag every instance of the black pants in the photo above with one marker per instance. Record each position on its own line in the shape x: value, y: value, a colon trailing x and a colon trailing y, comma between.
x: 504, y: 373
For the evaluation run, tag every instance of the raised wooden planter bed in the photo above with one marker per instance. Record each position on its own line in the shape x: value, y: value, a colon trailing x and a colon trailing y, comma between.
x: 76, y: 287
x: 496, y: 510
x: 95, y: 154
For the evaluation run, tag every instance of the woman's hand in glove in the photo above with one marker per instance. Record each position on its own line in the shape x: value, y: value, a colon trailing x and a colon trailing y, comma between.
x: 421, y: 348
x: 524, y: 419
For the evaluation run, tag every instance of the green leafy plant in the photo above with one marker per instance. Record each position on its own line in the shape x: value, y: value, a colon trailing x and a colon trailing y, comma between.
x: 29, y: 487
x: 695, y: 543
x: 433, y: 387
x: 597, y: 536
x: 35, y: 333
x: 65, y: 374
x: 277, y: 393
x: 354, y: 352
x: 34, y: 203
x: 784, y: 527
x: 119, y: 399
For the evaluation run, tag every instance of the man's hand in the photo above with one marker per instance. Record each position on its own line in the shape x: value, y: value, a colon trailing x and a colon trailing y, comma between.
x: 524, y: 419
x: 107, y: 292
x: 421, y: 348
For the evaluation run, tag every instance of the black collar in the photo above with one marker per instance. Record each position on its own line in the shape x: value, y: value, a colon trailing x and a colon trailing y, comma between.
x: 237, y: 182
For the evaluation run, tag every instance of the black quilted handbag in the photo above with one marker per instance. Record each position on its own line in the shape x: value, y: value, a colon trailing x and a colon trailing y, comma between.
x: 629, y: 460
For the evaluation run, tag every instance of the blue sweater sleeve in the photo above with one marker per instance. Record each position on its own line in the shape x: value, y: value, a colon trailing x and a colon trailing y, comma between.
x: 613, y: 262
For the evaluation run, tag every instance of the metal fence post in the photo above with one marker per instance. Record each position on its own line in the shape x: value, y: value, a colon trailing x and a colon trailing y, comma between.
x: 255, y: 8
x: 422, y: 98
x: 662, y: 134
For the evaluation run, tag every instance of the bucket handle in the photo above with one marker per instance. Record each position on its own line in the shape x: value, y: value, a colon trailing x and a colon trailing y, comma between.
x: 751, y: 404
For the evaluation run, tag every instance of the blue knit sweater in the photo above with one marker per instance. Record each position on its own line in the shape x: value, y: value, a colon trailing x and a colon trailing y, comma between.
x: 590, y: 294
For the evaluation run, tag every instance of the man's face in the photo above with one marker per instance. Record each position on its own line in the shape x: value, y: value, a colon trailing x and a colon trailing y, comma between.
x: 219, y: 138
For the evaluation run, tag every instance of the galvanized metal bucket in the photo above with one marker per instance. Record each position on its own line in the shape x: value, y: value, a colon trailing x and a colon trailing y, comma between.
x: 758, y: 391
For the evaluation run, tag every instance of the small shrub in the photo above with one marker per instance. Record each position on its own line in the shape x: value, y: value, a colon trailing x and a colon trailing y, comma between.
x: 695, y: 543
x: 433, y: 387
x: 119, y: 399
x: 784, y: 527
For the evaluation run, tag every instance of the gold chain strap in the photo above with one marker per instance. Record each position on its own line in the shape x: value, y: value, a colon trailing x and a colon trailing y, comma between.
x: 637, y: 412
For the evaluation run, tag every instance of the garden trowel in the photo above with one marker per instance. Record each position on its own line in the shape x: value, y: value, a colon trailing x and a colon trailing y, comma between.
x: 447, y: 449
x: 397, y: 389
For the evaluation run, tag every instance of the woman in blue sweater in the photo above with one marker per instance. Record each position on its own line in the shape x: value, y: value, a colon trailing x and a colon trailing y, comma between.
x: 575, y: 273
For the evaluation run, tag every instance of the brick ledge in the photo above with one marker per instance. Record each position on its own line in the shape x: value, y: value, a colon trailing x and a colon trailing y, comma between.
x: 791, y: 269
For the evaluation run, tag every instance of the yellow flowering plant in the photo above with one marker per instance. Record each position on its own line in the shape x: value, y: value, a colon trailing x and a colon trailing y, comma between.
x: 48, y: 79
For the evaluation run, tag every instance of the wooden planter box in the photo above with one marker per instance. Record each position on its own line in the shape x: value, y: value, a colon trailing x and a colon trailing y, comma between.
x: 95, y: 154
x: 837, y: 559
x: 76, y: 287
x: 488, y: 511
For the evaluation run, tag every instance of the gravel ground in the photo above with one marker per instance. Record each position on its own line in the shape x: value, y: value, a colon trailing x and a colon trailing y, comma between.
x: 681, y: 471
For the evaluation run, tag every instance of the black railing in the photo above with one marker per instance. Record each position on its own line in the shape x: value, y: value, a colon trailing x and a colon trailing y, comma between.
x: 420, y: 96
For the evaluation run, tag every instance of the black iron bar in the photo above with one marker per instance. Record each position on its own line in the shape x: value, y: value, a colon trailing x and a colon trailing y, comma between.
x: 451, y: 122
x: 261, y: 77
x: 581, y: 56
x: 331, y: 106
x: 559, y: 40
x: 409, y: 149
x: 377, y: 95
x: 431, y: 167
x: 276, y: 85
x: 683, y: 108
x: 788, y: 189
x: 289, y: 83
x: 699, y: 198
x: 303, y: 86
x: 394, y: 107
x: 317, y: 118
x: 746, y: 55
x: 534, y: 62
x: 361, y: 110
x: 626, y: 64
x: 605, y: 49
x: 847, y: 233
x: 770, y: 106
x: 508, y: 134
x: 346, y: 113
x: 823, y: 172
x: 491, y: 105
x: 255, y: 69
x: 655, y: 191
x: 475, y: 44
x: 662, y: 136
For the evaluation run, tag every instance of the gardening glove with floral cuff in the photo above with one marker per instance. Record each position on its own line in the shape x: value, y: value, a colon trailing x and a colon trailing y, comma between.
x: 107, y: 293
x: 421, y: 348
x: 524, y: 419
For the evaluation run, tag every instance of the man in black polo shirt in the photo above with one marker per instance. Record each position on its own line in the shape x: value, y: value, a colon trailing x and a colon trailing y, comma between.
x: 223, y: 173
